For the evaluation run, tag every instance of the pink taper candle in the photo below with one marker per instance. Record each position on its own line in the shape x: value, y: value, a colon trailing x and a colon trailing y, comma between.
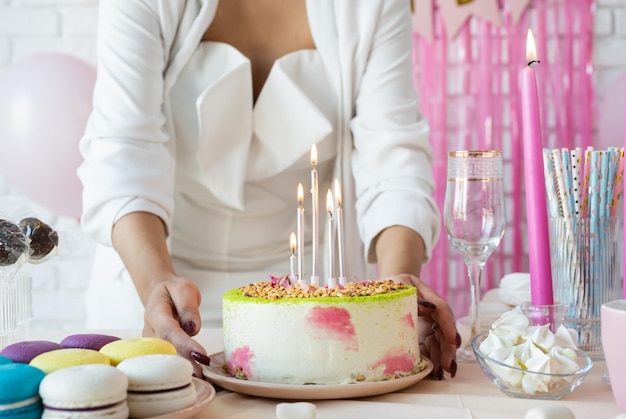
x: 624, y: 219
x: 536, y: 209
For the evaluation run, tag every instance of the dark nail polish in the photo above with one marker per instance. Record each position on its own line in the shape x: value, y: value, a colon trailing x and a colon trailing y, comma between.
x: 458, y: 340
x: 189, y: 327
x: 440, y: 373
x: 201, y: 358
x: 427, y: 304
x: 453, y: 368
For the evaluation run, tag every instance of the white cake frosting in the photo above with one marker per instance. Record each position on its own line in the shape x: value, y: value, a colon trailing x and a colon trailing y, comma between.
x: 514, y: 342
x: 323, y: 339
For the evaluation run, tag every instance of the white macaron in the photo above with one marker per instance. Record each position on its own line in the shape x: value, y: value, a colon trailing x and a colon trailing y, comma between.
x: 158, y: 384
x: 85, y: 391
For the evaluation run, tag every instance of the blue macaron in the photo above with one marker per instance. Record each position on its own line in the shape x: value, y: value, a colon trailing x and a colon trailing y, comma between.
x: 19, y: 391
x: 4, y: 360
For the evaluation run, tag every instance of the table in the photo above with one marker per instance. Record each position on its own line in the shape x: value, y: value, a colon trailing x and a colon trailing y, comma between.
x: 470, y: 395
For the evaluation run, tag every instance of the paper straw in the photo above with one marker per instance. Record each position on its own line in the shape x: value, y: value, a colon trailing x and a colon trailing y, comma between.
x: 584, y: 199
x: 560, y: 183
x: 619, y: 176
x: 548, y: 173
x: 594, y: 185
x: 610, y: 180
x: 603, y: 158
x: 575, y: 155
x: 567, y: 178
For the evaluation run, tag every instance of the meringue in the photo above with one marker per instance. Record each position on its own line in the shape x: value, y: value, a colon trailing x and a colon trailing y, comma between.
x: 514, y: 342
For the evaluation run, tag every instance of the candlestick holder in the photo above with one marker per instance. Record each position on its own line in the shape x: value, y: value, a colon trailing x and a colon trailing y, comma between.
x: 542, y: 314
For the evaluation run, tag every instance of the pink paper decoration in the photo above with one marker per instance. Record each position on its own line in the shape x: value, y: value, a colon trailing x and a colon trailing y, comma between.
x: 455, y: 13
x: 474, y: 75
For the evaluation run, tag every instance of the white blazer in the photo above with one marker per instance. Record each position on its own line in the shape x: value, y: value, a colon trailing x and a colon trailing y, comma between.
x: 384, y: 158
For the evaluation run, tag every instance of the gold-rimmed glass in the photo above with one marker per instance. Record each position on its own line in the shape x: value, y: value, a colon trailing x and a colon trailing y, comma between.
x: 474, y: 218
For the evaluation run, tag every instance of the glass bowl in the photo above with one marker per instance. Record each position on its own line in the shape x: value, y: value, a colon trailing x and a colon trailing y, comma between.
x: 509, y: 379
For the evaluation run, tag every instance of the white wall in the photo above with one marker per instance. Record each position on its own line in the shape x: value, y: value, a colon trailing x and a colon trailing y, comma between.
x: 69, y: 26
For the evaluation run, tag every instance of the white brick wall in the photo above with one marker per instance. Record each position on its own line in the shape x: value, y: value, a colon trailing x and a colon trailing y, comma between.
x: 69, y: 26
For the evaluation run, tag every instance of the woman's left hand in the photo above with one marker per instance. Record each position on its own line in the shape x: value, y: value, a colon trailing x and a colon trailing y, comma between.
x: 438, y: 336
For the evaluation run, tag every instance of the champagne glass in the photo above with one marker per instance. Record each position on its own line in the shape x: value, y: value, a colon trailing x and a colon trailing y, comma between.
x: 474, y: 219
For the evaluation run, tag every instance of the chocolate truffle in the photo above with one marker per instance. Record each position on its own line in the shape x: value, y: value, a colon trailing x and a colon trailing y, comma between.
x: 13, y: 243
x: 43, y: 239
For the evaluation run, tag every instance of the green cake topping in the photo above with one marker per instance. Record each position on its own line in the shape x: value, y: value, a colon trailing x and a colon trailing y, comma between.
x: 271, y: 291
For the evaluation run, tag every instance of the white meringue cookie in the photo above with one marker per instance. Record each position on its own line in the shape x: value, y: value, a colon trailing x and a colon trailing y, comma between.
x: 566, y: 338
x: 543, y: 337
x: 563, y: 360
x: 525, y: 351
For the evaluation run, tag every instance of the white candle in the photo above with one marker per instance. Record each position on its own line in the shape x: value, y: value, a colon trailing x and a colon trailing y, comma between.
x: 331, y: 248
x: 339, y: 218
x: 315, y: 214
x: 292, y: 261
x: 300, y: 231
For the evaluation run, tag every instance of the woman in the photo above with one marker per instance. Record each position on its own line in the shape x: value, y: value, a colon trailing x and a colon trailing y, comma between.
x: 204, y: 116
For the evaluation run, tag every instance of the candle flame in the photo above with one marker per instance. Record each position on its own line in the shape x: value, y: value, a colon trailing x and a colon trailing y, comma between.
x: 292, y: 242
x: 329, y: 202
x: 337, y: 193
x: 531, y: 49
x: 300, y: 193
x: 314, y: 155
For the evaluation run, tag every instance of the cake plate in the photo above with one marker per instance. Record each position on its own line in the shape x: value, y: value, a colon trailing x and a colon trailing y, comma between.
x: 218, y: 376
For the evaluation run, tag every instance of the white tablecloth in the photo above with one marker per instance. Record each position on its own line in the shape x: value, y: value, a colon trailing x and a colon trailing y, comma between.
x: 470, y: 395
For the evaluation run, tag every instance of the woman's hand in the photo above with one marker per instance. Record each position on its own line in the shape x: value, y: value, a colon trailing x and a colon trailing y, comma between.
x: 438, y: 336
x: 171, y: 303
x: 171, y: 313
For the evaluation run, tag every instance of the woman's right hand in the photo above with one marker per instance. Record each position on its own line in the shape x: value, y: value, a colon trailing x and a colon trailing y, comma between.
x: 172, y: 313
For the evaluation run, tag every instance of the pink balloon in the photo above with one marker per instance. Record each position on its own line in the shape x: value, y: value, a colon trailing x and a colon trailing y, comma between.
x: 611, y: 116
x: 45, y: 101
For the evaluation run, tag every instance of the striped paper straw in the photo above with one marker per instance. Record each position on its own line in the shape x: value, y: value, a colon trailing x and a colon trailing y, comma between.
x: 560, y: 183
x: 548, y: 173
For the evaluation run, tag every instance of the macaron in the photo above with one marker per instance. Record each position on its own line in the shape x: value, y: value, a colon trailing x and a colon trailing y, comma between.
x: 68, y: 357
x: 23, y: 352
x: 158, y: 384
x: 85, y: 391
x: 122, y: 349
x: 93, y: 341
x: 19, y: 391
x: 4, y: 360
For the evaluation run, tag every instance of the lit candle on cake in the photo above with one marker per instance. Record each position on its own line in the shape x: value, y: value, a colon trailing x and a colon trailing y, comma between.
x: 339, y: 221
x: 536, y: 209
x: 292, y: 261
x: 300, y: 231
x: 332, y: 280
x: 315, y: 214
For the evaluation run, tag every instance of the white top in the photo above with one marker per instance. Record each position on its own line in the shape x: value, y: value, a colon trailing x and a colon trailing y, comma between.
x: 239, y: 163
x: 137, y: 158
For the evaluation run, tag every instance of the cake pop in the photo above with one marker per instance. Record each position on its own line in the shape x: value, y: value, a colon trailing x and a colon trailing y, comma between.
x: 43, y: 239
x: 13, y: 243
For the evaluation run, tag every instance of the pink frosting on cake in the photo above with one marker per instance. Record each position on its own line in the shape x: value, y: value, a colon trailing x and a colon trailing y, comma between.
x: 408, y: 318
x: 396, y: 362
x: 241, y: 358
x: 333, y: 323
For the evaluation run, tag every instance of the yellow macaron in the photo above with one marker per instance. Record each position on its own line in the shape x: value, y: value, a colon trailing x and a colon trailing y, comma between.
x: 68, y: 357
x: 122, y: 349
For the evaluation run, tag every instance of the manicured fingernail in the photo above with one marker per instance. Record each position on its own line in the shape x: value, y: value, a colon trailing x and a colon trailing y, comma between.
x: 201, y: 358
x: 453, y: 368
x: 458, y: 340
x: 427, y: 304
x: 189, y: 327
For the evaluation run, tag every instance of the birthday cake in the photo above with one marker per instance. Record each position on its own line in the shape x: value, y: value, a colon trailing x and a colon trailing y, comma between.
x: 360, y: 332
